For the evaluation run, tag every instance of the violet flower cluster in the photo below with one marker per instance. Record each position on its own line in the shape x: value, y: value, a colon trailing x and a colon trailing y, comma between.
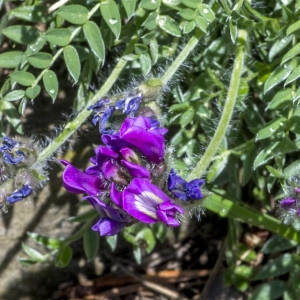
x: 126, y: 182
x: 289, y: 208
x: 18, y: 177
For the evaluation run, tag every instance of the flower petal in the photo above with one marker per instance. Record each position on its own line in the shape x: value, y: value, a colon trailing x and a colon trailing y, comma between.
x: 116, y: 196
x: 20, y: 194
x: 77, y: 182
x: 106, y: 226
x: 186, y: 191
x: 141, y: 200
x: 169, y: 220
x: 288, y: 203
x: 136, y: 170
x: 114, y: 173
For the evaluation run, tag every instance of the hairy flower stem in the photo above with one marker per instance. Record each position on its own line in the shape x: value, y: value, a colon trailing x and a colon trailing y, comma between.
x: 192, y: 43
x: 72, y: 126
x: 228, y: 108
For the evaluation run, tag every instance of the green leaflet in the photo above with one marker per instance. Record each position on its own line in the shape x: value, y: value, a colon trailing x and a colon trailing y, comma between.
x: 94, y: 37
x: 41, y: 60
x: 271, y: 128
x: 277, y: 76
x: 63, y: 256
x: 110, y: 12
x: 22, y: 34
x: 169, y: 25
x: 10, y: 59
x: 129, y: 7
x: 23, y: 78
x: 60, y: 37
x: 91, y: 243
x: 71, y: 58
x: 291, y: 53
x: 33, y: 92
x: 51, y: 84
x: 75, y: 14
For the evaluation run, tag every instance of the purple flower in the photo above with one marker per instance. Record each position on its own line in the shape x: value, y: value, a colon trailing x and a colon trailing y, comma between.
x: 184, y: 190
x: 20, y: 194
x: 136, y: 170
x: 143, y: 133
x: 120, y: 104
x: 113, y: 172
x: 106, y: 115
x: 112, y: 220
x: 116, y: 196
x: 98, y: 109
x: 130, y: 155
x: 132, y: 104
x: 77, y: 182
x: 129, y: 105
x: 11, y: 154
x: 109, y: 165
x: 103, y: 154
x: 147, y: 203
x: 288, y: 203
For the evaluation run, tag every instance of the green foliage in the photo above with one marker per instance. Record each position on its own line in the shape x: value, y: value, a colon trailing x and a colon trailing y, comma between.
x: 82, y: 41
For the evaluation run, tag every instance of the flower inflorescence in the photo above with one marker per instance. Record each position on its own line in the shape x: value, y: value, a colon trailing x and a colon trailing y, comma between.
x: 19, y: 175
x: 126, y: 182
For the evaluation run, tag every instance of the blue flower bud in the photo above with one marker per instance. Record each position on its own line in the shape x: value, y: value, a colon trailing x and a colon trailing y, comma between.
x: 20, y: 194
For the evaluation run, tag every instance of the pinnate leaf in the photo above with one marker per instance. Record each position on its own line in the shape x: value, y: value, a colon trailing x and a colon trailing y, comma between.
x: 278, y: 46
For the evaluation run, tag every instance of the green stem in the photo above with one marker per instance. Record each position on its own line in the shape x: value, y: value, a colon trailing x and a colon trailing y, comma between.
x: 181, y: 57
x: 72, y: 126
x: 228, y: 108
x: 229, y: 209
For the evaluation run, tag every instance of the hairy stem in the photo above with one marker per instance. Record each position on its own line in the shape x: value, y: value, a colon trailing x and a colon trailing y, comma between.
x: 228, y: 108
x: 181, y: 57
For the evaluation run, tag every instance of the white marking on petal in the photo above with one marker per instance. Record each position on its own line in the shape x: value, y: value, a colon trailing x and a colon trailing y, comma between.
x: 147, y: 203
